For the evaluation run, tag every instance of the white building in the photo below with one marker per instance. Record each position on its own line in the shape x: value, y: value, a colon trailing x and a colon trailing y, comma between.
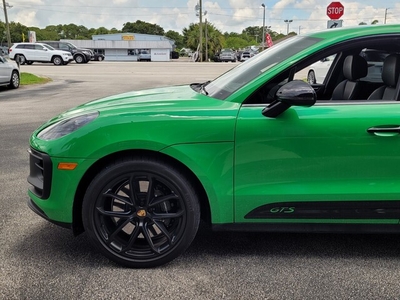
x: 127, y: 46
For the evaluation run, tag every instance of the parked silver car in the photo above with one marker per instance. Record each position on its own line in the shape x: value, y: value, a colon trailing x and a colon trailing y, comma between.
x: 144, y: 55
x: 9, y: 73
x: 227, y: 55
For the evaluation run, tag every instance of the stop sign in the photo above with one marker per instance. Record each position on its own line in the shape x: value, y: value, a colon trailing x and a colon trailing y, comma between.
x: 335, y: 10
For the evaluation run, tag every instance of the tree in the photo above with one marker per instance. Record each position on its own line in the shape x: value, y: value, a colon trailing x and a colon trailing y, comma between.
x: 143, y: 27
x: 236, y: 42
x: 44, y: 34
x: 254, y: 31
x: 101, y: 30
x: 114, y: 30
x: 191, y: 38
x: 177, y: 37
x: 17, y: 30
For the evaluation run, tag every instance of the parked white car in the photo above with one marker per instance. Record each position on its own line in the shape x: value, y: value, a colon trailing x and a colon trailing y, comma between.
x: 38, y: 52
x: 9, y: 73
x: 318, y: 70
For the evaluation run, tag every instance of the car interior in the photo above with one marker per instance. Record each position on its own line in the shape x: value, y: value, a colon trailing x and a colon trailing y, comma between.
x: 364, y: 70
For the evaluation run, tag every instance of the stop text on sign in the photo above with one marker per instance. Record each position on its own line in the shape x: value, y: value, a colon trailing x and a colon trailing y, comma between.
x: 335, y: 10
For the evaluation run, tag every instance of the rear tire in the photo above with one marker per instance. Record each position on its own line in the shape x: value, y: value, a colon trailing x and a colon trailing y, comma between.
x: 311, y: 77
x: 141, y: 212
x: 20, y: 59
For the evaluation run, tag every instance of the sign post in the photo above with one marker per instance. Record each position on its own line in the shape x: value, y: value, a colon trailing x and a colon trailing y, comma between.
x: 334, y: 11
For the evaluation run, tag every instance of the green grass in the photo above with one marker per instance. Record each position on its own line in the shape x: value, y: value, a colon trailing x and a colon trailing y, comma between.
x: 28, y: 79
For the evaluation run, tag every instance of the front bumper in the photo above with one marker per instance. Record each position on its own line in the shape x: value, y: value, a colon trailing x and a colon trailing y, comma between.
x: 52, y: 191
x: 41, y: 213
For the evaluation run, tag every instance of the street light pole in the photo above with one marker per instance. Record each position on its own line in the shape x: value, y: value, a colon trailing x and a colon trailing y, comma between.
x: 263, y: 31
x: 7, y: 24
x: 206, y: 41
x: 288, y: 22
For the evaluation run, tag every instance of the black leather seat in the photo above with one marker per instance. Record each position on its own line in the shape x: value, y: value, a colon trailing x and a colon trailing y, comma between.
x: 354, y: 68
x: 390, y: 76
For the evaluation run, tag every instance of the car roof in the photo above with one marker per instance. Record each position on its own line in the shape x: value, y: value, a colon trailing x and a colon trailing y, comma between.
x: 344, y: 33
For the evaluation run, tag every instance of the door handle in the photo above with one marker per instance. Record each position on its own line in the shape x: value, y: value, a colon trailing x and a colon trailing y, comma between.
x: 385, y: 130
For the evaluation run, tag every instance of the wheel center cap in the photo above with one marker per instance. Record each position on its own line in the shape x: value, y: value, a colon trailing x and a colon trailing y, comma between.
x: 141, y: 213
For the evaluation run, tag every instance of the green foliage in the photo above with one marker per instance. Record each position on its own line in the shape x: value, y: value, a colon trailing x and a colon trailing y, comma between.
x: 191, y: 38
x: 177, y: 37
x: 17, y: 30
x: 236, y: 42
x: 143, y: 27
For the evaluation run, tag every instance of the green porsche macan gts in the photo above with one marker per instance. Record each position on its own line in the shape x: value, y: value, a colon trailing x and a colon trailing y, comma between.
x: 256, y: 149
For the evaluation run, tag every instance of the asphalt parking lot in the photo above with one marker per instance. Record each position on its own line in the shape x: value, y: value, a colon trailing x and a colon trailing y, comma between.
x: 39, y: 260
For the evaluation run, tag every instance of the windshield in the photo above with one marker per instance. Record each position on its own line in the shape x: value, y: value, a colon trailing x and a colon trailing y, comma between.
x: 231, y: 81
x: 48, y: 47
x: 72, y: 46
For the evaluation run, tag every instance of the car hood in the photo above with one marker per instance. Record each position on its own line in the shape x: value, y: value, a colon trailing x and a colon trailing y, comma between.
x: 151, y: 119
x: 167, y: 100
x: 61, y: 52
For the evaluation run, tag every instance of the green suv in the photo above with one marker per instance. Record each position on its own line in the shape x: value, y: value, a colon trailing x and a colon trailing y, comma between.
x: 256, y: 149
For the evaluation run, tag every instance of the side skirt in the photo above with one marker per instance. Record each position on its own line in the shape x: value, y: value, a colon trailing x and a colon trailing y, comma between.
x: 308, y: 227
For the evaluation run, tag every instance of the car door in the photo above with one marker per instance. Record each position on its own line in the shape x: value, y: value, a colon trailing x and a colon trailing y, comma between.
x: 5, y: 73
x: 318, y: 164
x: 42, y: 53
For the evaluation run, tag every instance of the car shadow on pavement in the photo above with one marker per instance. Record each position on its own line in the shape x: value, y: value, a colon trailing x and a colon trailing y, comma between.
x: 62, y: 248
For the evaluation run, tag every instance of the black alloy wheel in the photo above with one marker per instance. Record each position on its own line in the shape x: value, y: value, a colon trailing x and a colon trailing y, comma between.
x: 141, y: 213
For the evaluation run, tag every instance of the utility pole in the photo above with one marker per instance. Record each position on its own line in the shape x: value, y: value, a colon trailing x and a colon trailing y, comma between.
x: 384, y: 22
x: 263, y: 31
x: 5, y: 5
x: 201, y: 30
x: 206, y: 41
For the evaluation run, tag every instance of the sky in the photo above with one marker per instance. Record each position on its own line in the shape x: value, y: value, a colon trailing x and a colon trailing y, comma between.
x: 225, y: 15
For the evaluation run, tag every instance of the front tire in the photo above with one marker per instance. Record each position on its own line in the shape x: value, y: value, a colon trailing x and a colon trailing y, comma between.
x: 141, y: 212
x: 79, y: 59
x: 15, y: 80
x: 57, y: 61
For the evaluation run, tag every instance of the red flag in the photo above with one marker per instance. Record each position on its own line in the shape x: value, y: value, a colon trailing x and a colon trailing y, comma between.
x: 269, y: 40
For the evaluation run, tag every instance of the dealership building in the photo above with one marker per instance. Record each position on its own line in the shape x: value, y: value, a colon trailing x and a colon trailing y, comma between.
x: 127, y: 46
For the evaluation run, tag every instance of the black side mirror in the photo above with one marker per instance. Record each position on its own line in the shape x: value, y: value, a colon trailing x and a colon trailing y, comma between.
x: 293, y: 93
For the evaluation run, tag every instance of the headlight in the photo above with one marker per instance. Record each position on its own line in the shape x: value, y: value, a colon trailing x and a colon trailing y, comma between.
x: 67, y: 126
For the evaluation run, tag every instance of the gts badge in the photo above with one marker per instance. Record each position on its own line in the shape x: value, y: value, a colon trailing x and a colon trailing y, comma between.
x: 282, y: 210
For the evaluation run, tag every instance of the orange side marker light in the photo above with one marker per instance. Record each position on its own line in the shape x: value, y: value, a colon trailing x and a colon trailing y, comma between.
x: 67, y: 166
